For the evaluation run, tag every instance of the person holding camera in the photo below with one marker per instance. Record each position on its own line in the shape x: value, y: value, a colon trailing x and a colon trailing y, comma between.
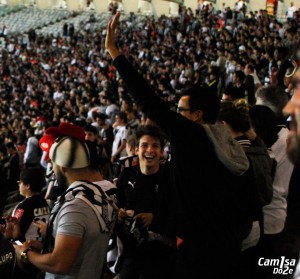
x: 144, y: 228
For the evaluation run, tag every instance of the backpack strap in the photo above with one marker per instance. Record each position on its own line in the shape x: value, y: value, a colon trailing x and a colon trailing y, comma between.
x: 106, y: 197
x: 49, y: 240
x: 87, y: 195
x: 105, y: 215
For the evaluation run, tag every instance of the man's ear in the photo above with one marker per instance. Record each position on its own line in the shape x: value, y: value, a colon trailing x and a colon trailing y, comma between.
x: 132, y: 148
x: 136, y: 151
x: 198, y: 115
x: 63, y: 170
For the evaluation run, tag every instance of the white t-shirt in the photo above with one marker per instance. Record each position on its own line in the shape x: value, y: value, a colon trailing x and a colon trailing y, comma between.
x: 119, y: 136
x: 77, y: 218
x: 290, y: 11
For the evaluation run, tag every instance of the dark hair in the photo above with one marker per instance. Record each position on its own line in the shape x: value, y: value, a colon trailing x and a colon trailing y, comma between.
x: 270, y: 51
x: 236, y: 115
x: 251, y: 67
x: 206, y: 100
x: 263, y: 121
x: 122, y: 116
x: 35, y: 177
x: 11, y: 145
x: 240, y: 75
x: 273, y: 97
x: 91, y: 128
x: 96, y: 161
x: 152, y: 131
x: 101, y: 116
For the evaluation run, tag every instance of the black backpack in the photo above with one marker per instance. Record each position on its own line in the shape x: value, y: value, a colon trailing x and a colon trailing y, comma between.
x: 256, y: 185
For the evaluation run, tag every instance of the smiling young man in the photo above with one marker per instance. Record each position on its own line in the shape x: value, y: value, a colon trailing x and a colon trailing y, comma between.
x: 140, y: 191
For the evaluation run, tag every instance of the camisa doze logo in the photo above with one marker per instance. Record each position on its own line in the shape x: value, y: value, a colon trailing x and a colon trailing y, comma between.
x: 280, y: 266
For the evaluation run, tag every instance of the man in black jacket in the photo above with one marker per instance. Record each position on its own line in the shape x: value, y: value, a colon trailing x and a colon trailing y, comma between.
x: 205, y: 216
x: 143, y: 195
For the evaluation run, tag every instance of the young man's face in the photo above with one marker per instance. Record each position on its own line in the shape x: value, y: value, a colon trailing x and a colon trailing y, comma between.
x: 23, y: 189
x: 149, y: 151
x: 90, y: 136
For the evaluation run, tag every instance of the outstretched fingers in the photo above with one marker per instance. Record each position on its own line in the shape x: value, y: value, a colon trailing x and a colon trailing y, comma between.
x: 110, y: 43
x: 115, y: 20
x: 112, y: 24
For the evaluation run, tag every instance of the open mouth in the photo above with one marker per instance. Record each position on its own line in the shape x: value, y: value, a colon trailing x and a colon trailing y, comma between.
x: 149, y: 157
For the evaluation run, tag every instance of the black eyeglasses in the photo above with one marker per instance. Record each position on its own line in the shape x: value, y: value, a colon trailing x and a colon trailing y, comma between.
x: 180, y: 109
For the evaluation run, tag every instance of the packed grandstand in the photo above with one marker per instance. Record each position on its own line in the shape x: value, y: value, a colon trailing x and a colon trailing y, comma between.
x: 55, y: 68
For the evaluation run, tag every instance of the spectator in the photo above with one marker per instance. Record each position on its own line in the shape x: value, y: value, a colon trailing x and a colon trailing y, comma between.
x: 11, y: 168
x: 79, y: 231
x: 127, y: 161
x: 23, y: 224
x: 102, y: 149
x: 275, y: 98
x: 275, y: 138
x: 106, y: 131
x: 112, y: 109
x: 140, y: 196
x: 33, y: 152
x: 3, y: 178
x: 119, y: 144
x: 32, y: 209
x: 290, y: 11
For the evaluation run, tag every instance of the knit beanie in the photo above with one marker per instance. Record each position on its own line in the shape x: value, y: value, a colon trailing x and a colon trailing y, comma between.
x: 70, y: 153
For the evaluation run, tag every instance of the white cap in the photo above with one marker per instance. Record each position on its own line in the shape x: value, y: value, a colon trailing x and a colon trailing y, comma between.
x: 70, y: 153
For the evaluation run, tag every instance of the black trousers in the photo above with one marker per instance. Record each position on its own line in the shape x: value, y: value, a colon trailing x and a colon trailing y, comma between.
x: 152, y: 260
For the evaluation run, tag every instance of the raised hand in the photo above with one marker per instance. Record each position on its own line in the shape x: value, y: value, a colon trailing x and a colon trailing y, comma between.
x: 110, y: 43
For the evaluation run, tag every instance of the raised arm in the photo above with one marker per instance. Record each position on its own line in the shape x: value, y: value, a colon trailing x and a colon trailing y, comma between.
x: 155, y: 108
x: 110, y: 37
x: 142, y: 93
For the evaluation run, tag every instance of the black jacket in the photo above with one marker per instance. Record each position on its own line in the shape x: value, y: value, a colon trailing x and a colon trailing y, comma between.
x: 201, y: 185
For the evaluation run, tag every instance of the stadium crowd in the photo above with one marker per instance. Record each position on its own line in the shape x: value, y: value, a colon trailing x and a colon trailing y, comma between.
x: 239, y: 69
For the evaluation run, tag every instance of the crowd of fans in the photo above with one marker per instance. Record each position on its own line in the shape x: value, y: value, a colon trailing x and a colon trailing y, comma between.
x: 48, y: 80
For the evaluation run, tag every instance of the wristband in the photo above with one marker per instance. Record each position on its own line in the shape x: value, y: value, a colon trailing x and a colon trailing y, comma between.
x: 24, y: 256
